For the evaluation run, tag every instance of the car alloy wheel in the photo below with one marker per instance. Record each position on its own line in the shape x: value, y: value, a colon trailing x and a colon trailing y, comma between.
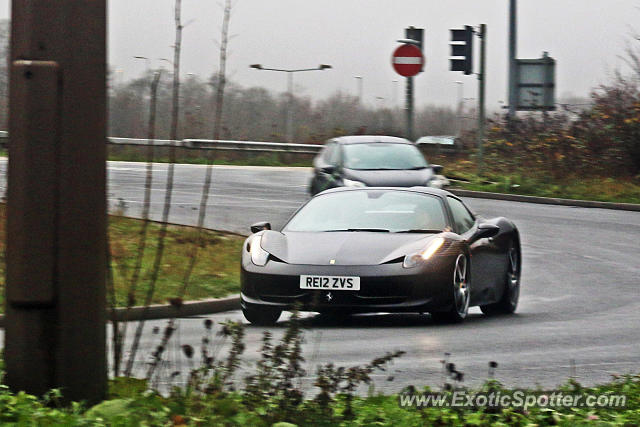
x: 513, y: 277
x: 509, y: 300
x: 461, y: 294
x: 461, y: 287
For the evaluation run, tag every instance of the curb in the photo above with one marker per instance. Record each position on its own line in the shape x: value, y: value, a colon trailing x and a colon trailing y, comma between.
x: 188, y: 308
x: 546, y: 200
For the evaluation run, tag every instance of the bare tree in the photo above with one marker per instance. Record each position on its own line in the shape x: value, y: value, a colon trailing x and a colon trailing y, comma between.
x: 193, y: 255
x: 222, y: 71
x: 119, y: 333
x: 632, y: 56
x: 175, y: 111
x: 632, y: 52
x: 257, y: 114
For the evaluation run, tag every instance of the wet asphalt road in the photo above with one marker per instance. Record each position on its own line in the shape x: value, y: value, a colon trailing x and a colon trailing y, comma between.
x: 579, y: 310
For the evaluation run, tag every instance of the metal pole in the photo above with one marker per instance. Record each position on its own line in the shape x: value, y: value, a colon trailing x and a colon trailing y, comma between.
x: 409, y: 108
x: 482, y: 78
x: 394, y: 94
x: 359, y: 83
x: 55, y: 329
x: 289, y: 119
x: 147, y: 64
x: 290, y: 108
x: 513, y: 72
x: 459, y: 105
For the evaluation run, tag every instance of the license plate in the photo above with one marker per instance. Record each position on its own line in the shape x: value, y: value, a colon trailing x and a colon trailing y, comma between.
x: 334, y: 283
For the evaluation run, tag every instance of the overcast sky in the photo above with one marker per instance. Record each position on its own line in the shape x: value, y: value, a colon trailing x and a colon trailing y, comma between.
x: 357, y: 37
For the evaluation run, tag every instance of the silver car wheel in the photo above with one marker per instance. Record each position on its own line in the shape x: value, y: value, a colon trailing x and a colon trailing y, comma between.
x: 461, y: 286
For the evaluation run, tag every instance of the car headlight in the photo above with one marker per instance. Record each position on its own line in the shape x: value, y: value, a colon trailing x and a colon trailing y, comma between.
x: 414, y: 259
x: 258, y: 255
x: 352, y: 183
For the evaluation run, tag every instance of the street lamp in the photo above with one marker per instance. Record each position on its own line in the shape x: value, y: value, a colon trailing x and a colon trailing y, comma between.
x: 359, y: 80
x: 146, y: 62
x: 290, y: 89
x: 166, y: 60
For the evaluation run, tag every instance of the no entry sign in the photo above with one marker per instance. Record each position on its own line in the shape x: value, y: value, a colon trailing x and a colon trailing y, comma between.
x: 407, y: 60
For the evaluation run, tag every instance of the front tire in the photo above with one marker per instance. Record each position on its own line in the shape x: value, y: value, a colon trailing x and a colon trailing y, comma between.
x: 261, y: 316
x: 509, y: 301
x: 461, y: 294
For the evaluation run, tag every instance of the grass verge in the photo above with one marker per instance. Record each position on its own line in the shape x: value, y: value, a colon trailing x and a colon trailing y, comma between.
x: 602, y: 189
x: 135, y: 154
x: 215, y: 274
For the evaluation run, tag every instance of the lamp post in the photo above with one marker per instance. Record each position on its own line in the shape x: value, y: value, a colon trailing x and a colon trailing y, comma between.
x: 146, y: 62
x: 394, y: 94
x: 166, y: 60
x: 380, y: 112
x: 359, y: 79
x: 290, y: 90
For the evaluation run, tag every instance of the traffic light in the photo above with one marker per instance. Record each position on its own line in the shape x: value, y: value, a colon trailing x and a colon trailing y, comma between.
x: 464, y: 50
x: 416, y: 34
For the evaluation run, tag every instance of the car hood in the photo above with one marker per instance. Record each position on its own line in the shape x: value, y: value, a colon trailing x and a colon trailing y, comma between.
x: 390, y: 178
x: 345, y: 248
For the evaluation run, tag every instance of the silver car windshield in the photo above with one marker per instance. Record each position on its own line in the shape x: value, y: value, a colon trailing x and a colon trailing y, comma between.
x: 371, y: 210
x: 377, y: 155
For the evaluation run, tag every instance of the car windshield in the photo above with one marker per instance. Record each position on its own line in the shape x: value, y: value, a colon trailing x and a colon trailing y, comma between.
x: 377, y: 155
x: 371, y: 210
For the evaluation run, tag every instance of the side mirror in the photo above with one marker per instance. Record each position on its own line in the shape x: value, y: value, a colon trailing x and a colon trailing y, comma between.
x: 328, y: 169
x: 259, y: 226
x: 484, y: 231
x: 437, y: 169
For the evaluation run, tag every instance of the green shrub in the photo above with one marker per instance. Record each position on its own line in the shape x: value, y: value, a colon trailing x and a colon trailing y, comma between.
x: 273, y: 396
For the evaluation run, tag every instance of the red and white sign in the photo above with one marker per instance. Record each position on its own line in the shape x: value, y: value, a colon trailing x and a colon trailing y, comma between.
x: 407, y: 60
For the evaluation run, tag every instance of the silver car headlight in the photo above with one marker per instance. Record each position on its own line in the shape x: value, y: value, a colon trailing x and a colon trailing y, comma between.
x: 352, y: 183
x: 414, y: 259
x: 258, y: 255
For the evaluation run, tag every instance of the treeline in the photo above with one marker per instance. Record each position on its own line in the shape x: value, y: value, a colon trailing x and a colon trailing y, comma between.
x: 256, y: 114
x: 249, y: 113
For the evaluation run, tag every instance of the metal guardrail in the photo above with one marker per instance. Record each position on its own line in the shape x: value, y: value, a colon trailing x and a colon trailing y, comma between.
x: 143, y: 142
x: 209, y: 144
x: 272, y: 147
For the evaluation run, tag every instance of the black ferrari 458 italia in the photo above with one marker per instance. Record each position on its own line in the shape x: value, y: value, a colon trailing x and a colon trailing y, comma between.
x: 356, y: 250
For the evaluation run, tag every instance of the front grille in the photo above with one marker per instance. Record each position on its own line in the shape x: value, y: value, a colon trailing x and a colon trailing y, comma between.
x: 372, y: 291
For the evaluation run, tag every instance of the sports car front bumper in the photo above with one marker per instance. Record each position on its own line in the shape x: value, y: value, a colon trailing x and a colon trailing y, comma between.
x: 383, y: 288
